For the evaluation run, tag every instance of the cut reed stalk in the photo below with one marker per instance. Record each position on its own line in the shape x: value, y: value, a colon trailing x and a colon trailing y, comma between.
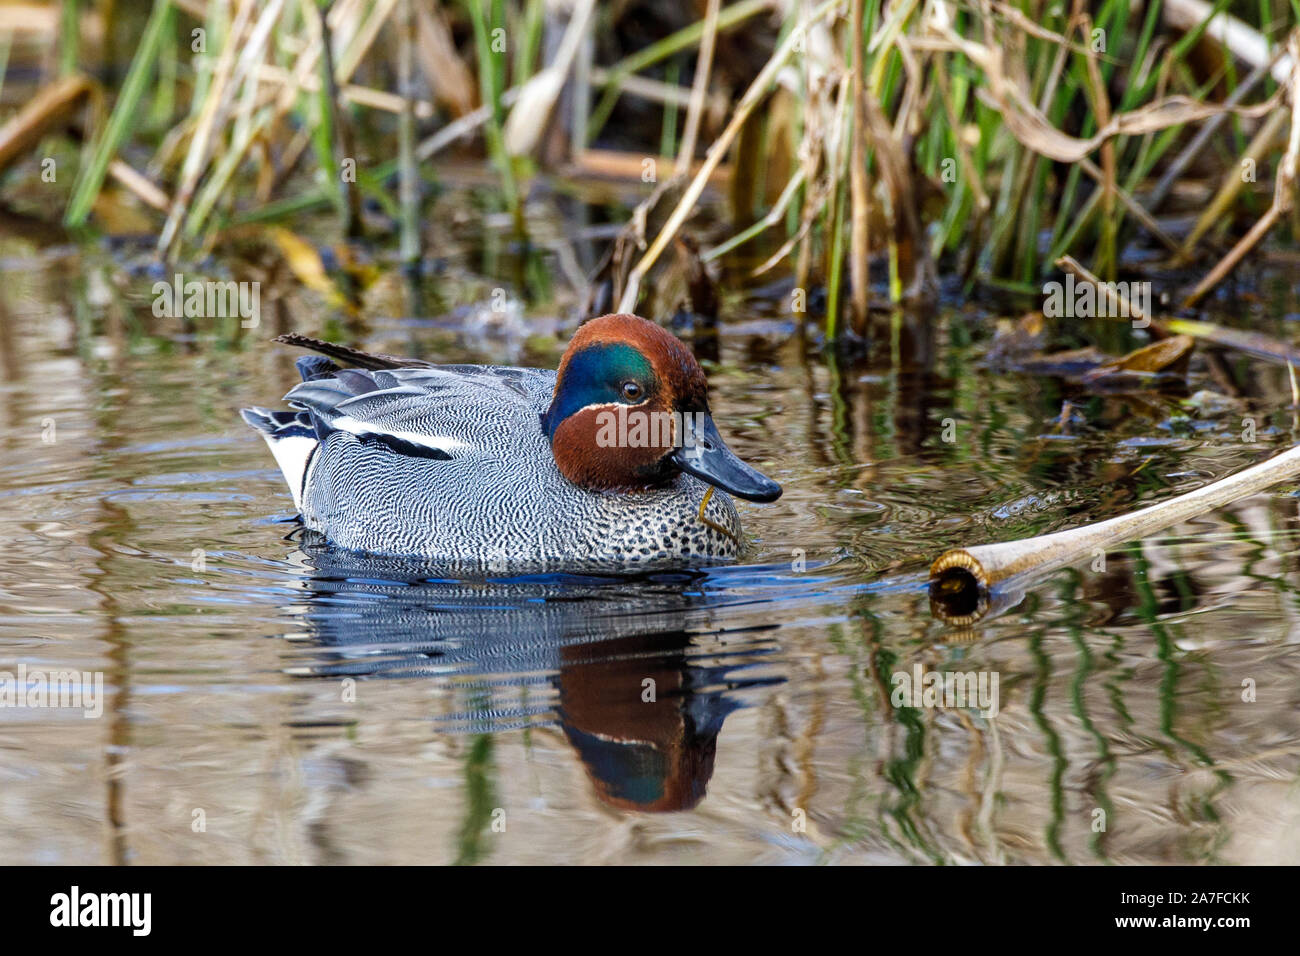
x: 967, y: 584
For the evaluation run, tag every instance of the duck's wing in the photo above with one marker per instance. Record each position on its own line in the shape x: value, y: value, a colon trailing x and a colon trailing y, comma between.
x: 446, y: 411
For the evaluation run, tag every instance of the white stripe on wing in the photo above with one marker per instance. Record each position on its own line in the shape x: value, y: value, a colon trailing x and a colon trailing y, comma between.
x: 443, y: 443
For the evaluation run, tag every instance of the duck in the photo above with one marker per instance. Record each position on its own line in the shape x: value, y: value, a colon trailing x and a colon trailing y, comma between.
x: 611, y: 462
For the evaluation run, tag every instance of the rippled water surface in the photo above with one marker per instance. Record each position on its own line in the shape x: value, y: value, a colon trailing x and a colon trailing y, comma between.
x: 266, y: 701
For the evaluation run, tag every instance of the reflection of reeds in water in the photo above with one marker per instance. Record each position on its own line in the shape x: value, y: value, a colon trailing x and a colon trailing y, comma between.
x: 1121, y: 695
x: 478, y: 802
x: 1064, y: 773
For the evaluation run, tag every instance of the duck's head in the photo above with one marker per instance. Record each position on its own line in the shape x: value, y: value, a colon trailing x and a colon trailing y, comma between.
x: 631, y: 411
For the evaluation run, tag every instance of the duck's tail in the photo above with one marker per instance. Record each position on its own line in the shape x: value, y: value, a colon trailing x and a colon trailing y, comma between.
x: 290, y: 435
x: 292, y: 441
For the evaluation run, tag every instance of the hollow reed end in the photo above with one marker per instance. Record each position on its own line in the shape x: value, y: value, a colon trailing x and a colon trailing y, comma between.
x: 967, y: 584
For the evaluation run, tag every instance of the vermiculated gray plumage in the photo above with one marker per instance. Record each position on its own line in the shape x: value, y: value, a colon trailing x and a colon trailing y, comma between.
x: 450, y: 464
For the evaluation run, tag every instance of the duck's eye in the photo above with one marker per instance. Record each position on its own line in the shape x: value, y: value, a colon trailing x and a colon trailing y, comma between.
x: 631, y: 391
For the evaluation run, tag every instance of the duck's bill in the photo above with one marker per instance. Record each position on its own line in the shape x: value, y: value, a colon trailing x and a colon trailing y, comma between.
x: 706, y: 456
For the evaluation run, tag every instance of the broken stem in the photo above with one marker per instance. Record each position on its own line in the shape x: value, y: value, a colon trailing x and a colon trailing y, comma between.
x: 967, y: 583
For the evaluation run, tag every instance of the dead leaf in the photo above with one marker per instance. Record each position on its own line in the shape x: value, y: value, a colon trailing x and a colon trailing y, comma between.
x: 1165, y: 359
x: 1169, y: 354
x: 305, y: 263
x: 451, y: 80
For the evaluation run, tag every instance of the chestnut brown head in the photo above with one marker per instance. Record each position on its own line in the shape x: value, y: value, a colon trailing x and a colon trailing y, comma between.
x: 631, y: 411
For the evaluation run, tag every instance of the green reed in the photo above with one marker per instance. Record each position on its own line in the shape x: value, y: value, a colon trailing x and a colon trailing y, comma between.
x: 123, y: 118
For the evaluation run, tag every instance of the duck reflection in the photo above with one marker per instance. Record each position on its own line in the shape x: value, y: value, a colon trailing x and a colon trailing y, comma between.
x: 637, y: 697
x: 643, y: 719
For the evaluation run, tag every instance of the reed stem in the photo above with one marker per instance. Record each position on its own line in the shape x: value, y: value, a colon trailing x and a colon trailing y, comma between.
x: 966, y: 584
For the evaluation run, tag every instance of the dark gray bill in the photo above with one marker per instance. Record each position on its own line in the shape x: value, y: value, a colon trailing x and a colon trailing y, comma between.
x: 706, y: 456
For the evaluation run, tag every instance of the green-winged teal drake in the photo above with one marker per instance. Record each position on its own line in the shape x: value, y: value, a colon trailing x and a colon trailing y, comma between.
x: 612, y: 462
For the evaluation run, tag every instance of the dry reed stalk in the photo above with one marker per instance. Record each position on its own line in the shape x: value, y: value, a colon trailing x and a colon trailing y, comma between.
x: 1120, y: 305
x: 859, y: 184
x: 774, y: 216
x: 361, y: 41
x: 656, y: 91
x: 1203, y: 136
x: 1261, y: 144
x: 699, y: 89
x: 241, y: 67
x: 460, y: 128
x: 1254, y: 344
x: 966, y: 584
x: 305, y: 66
x: 819, y: 114
x: 143, y: 188
x: 360, y: 95
x: 1133, y: 206
x: 450, y: 79
x: 1026, y: 122
x: 538, y: 95
x: 753, y: 96
x: 52, y: 108
x: 815, y: 155
x: 1101, y: 106
x: 213, y: 108
x: 617, y: 165
x: 1288, y: 175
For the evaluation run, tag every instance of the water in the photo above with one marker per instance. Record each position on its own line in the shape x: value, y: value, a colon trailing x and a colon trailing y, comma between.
x: 269, y: 702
